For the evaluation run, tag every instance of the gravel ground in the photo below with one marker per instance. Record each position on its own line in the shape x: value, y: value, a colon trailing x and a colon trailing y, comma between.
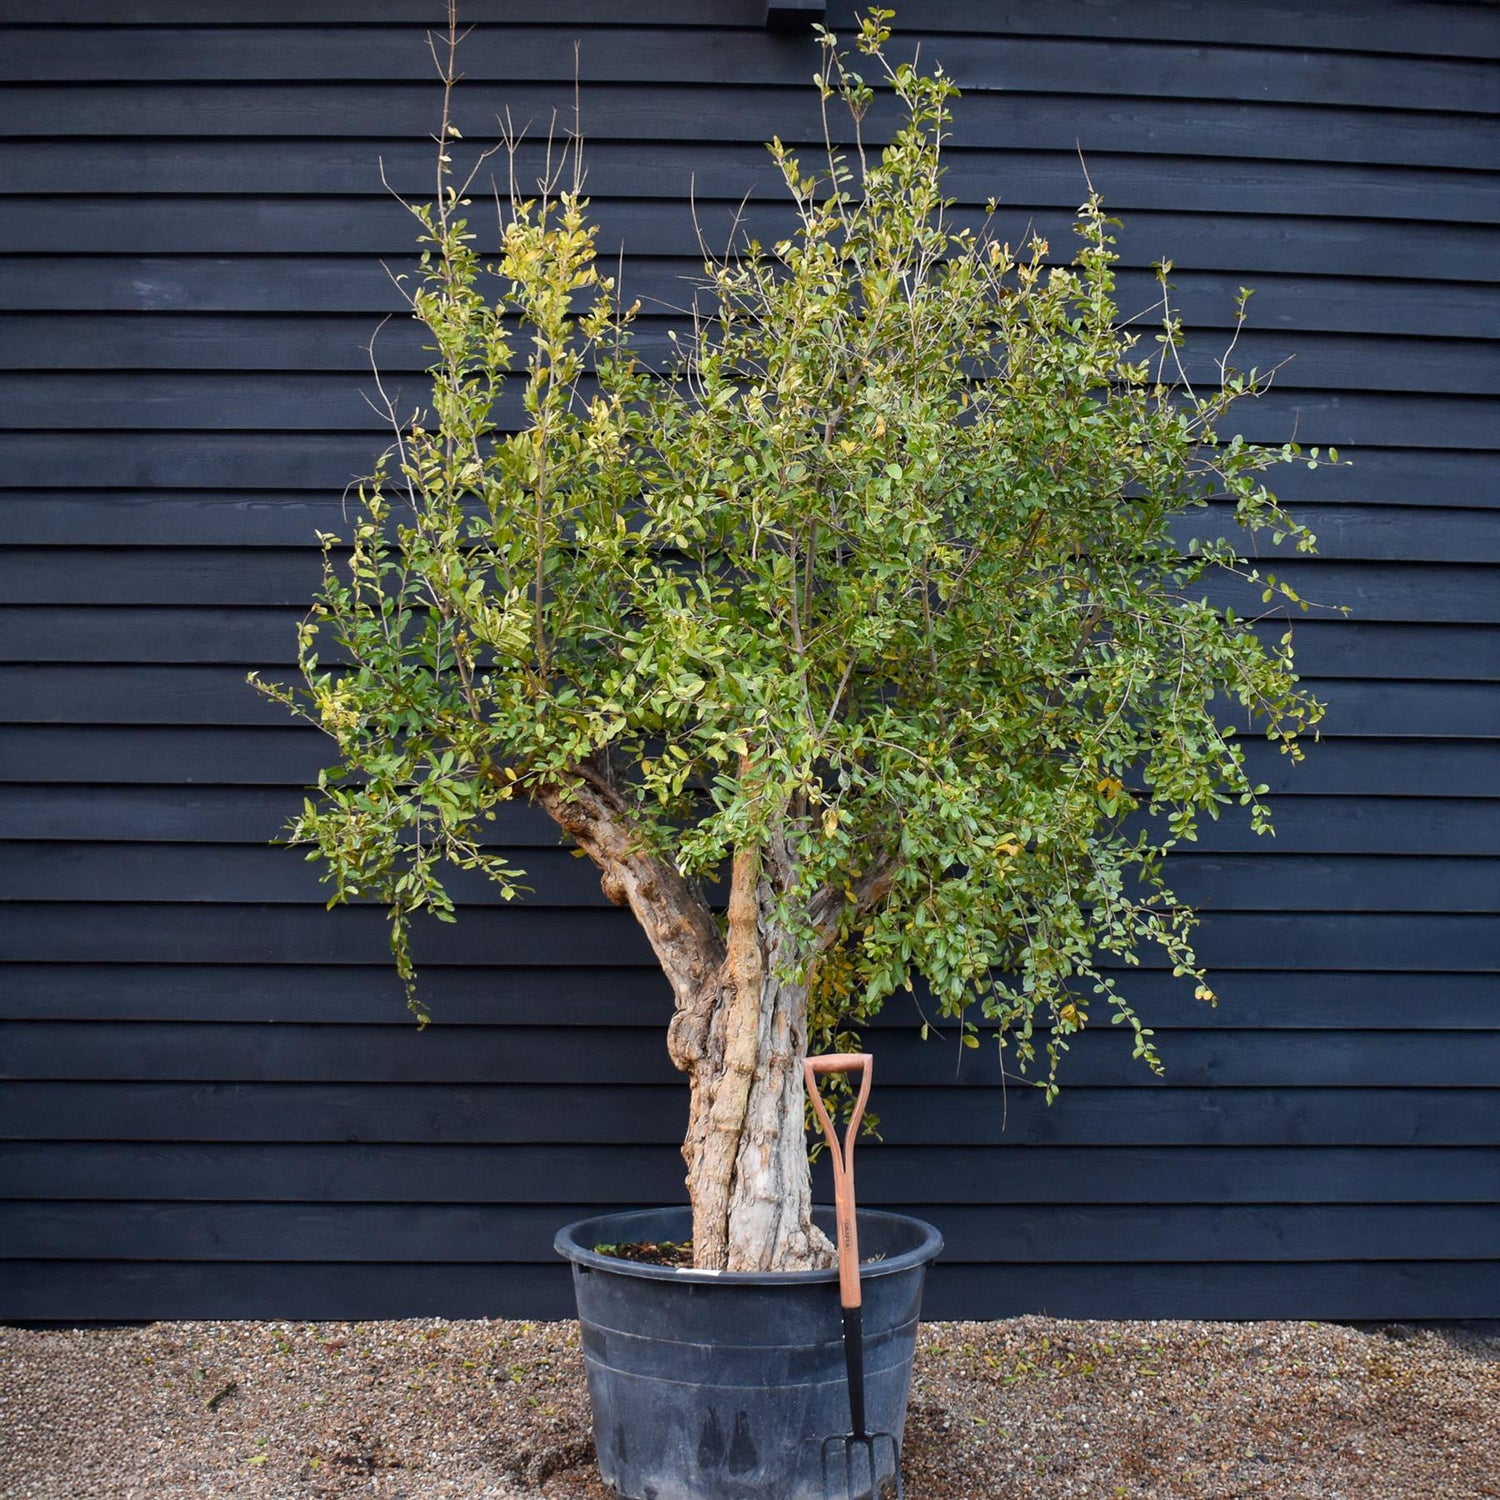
x: 1033, y: 1407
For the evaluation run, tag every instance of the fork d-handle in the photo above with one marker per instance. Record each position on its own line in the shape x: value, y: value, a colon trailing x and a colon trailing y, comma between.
x: 842, y: 1154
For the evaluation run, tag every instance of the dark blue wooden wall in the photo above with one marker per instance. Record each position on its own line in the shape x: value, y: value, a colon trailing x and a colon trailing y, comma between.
x: 213, y: 1101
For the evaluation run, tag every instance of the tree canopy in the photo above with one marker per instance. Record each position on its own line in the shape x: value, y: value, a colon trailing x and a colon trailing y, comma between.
x: 891, y: 570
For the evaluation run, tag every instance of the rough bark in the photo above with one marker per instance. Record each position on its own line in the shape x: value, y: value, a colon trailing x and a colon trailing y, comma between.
x: 746, y: 1150
x: 724, y: 1073
x: 770, y: 1224
x: 832, y: 905
x: 739, y: 1032
x: 676, y: 920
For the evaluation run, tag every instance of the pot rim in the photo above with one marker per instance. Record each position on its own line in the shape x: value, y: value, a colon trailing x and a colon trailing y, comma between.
x: 575, y: 1242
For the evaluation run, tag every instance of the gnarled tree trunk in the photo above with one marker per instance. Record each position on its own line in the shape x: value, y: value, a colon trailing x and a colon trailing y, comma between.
x: 741, y: 1041
x: 739, y: 1033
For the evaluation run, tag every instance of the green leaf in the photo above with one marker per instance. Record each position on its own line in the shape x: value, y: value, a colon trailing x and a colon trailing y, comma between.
x: 885, y: 583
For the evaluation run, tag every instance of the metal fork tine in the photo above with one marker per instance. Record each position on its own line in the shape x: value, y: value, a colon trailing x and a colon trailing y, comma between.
x: 862, y: 1480
x: 895, y: 1463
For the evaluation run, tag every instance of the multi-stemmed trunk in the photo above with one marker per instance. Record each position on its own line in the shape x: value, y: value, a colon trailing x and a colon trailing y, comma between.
x: 741, y: 1040
x: 739, y: 1033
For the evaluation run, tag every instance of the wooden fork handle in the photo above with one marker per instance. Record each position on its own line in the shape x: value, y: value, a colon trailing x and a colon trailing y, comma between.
x: 842, y: 1154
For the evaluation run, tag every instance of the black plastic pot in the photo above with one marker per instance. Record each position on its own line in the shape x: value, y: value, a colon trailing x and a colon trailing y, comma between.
x: 723, y: 1386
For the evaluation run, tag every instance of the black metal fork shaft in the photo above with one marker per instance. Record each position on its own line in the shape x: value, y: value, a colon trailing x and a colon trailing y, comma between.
x: 854, y: 1366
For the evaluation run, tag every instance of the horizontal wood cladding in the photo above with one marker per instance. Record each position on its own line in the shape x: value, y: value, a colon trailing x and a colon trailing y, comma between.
x: 135, y: 932
x: 252, y: 817
x: 1109, y: 130
x: 327, y: 428
x: 621, y: 178
x: 213, y: 1101
x: 193, y: 757
x: 78, y: 694
x: 81, y: 1174
x: 107, y: 1291
x: 583, y: 996
x: 1099, y: 1058
x: 100, y: 342
x: 1380, y: 591
x: 212, y: 873
x: 159, y: 463
x: 169, y: 286
x: 1437, y: 28
x: 754, y: 68
x: 1377, y: 524
x: 151, y: 635
x: 1250, y: 243
x: 1032, y: 1234
x: 139, y: 532
x: 453, y: 1114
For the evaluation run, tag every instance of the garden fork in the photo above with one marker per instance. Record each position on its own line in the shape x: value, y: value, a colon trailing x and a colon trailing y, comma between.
x: 858, y: 1454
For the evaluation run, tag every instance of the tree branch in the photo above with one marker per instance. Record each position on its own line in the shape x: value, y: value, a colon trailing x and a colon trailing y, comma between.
x: 679, y: 926
x: 831, y: 904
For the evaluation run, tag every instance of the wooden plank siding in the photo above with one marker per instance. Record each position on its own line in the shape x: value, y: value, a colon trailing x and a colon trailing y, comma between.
x: 212, y: 1101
